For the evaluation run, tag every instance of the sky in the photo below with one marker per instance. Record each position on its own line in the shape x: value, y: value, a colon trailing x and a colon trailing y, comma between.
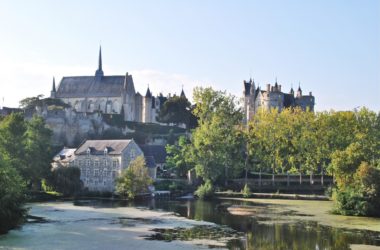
x: 331, y: 48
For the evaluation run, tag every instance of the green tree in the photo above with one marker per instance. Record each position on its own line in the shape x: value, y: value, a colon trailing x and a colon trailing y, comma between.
x: 179, y: 157
x: 12, y: 211
x: 66, y: 180
x: 38, y: 153
x: 176, y: 109
x: 134, y: 180
x: 12, y: 142
x: 216, y: 150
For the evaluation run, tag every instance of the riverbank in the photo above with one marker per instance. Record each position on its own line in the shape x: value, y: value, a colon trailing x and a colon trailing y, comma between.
x: 227, y: 194
x: 295, y: 210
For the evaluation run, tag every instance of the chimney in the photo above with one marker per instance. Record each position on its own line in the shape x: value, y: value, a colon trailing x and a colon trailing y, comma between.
x: 279, y: 88
x: 268, y: 87
x: 310, y: 94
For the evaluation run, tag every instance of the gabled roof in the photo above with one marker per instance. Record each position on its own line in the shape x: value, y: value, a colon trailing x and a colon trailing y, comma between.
x: 90, y: 86
x: 157, y: 151
x: 114, y: 147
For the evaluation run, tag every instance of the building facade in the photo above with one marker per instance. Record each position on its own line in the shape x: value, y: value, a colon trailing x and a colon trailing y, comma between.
x: 102, y: 161
x: 108, y: 95
x: 272, y: 97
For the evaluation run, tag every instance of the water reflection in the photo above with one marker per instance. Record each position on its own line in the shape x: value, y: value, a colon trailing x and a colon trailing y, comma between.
x: 260, y: 231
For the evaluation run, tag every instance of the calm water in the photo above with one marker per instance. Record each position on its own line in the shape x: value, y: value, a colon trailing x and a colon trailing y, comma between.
x: 261, y: 231
x: 72, y: 227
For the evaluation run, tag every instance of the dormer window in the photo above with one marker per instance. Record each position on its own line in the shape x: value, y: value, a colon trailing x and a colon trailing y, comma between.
x: 105, y: 151
x: 88, y: 151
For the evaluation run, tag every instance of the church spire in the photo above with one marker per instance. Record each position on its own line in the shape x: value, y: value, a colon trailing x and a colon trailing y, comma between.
x: 99, y: 72
x: 53, y: 89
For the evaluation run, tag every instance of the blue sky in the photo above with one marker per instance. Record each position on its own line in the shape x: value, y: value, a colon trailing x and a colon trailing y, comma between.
x: 331, y: 47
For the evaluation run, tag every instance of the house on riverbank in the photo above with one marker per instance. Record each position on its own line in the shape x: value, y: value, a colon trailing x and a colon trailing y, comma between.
x: 102, y: 161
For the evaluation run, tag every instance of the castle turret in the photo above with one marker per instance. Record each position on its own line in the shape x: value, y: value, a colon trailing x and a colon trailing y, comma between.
x: 53, y: 90
x: 183, y: 93
x: 291, y: 91
x: 99, y: 72
x: 147, y: 107
x: 253, y: 88
x: 299, y: 91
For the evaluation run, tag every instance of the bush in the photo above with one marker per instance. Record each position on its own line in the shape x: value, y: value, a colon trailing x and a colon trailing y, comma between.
x: 350, y: 202
x: 362, y: 196
x: 134, y: 180
x: 205, y: 191
x: 246, y: 191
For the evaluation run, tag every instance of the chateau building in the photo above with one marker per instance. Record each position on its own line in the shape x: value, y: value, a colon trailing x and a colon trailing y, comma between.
x: 109, y: 95
x: 273, y: 97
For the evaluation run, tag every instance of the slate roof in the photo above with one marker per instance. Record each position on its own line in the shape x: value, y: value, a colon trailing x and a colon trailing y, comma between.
x: 150, y: 162
x: 114, y: 147
x: 66, y: 154
x: 90, y: 86
x: 157, y: 151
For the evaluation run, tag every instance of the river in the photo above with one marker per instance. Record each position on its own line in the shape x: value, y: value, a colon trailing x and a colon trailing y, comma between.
x: 168, y: 224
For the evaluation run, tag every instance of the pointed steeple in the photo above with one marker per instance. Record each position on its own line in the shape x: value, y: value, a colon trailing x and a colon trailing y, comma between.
x: 148, y: 93
x: 53, y: 89
x: 299, y: 91
x: 183, y: 92
x: 99, y: 72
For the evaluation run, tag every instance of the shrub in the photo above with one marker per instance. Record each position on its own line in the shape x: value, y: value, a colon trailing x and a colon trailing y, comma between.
x: 246, y: 191
x: 205, y: 191
x: 134, y: 180
x: 350, y: 202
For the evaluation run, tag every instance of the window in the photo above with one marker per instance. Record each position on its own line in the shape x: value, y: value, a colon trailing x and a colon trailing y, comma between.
x: 88, y: 151
x: 114, y: 163
x: 106, y: 151
x: 88, y: 162
x: 132, y: 154
x: 96, y: 163
x: 96, y: 172
x: 105, y: 162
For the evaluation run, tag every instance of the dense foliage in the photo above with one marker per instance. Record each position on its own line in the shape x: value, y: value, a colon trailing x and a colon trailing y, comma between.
x: 11, y: 198
x: 31, y: 103
x: 134, y: 180
x: 176, y: 110
x: 205, y: 191
x: 344, y: 144
x: 65, y: 180
x: 25, y: 155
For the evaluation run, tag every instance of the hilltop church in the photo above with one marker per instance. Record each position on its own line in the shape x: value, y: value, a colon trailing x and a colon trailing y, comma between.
x: 109, y: 95
x: 273, y: 97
